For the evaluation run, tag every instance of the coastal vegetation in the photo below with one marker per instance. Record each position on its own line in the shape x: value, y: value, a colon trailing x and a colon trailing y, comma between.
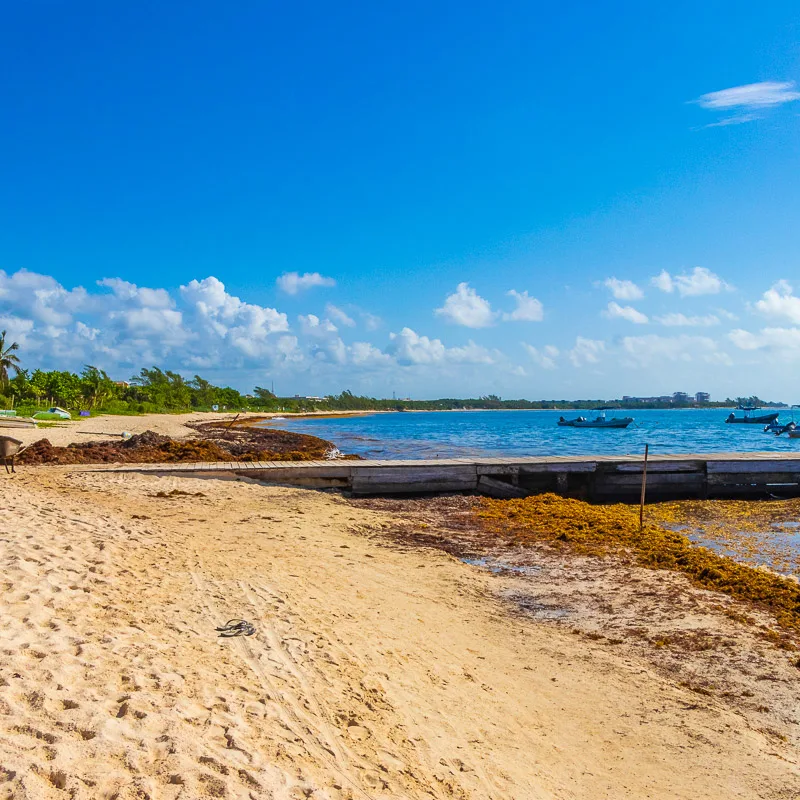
x: 157, y: 390
x: 614, y: 529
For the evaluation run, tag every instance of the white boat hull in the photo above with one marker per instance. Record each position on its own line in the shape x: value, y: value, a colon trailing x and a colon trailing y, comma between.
x: 17, y: 422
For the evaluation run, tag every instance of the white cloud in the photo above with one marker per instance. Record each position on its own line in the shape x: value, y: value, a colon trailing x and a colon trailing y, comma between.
x: 312, y: 325
x: 371, y: 321
x: 293, y: 282
x: 528, y: 309
x: 676, y: 320
x: 339, y: 315
x: 785, y: 341
x: 220, y: 318
x: 616, y: 311
x: 466, y: 307
x: 623, y: 290
x: 408, y: 347
x: 699, y: 281
x: 41, y: 297
x: 544, y: 357
x: 663, y: 281
x: 651, y: 350
x: 148, y: 298
x: 16, y: 328
x: 366, y: 354
x: 780, y: 302
x: 586, y: 351
x: 750, y: 96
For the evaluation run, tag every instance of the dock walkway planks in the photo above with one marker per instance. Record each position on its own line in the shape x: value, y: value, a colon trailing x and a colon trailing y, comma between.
x: 602, y: 478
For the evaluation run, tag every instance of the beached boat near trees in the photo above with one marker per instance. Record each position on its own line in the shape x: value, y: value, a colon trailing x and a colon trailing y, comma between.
x: 9, y: 419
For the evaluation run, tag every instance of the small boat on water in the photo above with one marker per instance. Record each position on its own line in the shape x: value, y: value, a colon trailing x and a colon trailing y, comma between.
x: 778, y: 427
x: 750, y: 418
x: 790, y: 427
x: 600, y: 422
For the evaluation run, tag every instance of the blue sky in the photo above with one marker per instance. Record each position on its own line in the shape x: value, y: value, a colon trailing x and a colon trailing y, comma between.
x: 163, y: 165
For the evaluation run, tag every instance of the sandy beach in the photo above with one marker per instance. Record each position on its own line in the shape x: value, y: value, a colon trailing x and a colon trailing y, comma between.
x: 89, y: 429
x: 378, y: 669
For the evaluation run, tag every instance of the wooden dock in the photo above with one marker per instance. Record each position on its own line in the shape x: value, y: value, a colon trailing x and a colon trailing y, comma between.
x: 595, y: 478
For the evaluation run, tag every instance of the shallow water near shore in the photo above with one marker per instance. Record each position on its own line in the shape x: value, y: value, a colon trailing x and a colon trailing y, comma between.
x: 464, y: 434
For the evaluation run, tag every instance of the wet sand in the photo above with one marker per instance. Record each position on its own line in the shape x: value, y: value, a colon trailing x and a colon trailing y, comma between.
x: 381, y: 667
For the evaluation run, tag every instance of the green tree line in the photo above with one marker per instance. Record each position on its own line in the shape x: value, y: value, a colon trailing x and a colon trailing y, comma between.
x: 156, y: 390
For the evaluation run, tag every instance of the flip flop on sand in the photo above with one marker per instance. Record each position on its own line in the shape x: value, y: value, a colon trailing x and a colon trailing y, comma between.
x: 236, y: 627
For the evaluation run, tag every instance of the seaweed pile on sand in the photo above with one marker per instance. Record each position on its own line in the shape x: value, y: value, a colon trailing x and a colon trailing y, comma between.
x: 210, y: 443
x: 614, y: 529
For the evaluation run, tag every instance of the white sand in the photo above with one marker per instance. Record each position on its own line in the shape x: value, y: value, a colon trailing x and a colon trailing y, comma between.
x: 375, y: 671
x: 89, y: 429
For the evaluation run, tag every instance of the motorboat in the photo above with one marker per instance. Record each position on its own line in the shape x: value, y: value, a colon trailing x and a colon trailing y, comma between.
x: 601, y: 421
x: 777, y: 428
x: 750, y: 418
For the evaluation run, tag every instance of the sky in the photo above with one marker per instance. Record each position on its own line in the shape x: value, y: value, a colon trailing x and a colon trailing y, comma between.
x: 432, y: 199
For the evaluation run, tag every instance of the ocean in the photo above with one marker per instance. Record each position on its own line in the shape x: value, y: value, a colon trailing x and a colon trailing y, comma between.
x: 463, y: 434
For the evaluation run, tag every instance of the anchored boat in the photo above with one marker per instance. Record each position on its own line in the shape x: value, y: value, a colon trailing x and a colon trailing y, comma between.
x: 600, y: 422
x: 750, y: 418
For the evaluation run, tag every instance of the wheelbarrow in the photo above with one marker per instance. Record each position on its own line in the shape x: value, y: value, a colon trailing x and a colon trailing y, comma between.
x: 9, y: 449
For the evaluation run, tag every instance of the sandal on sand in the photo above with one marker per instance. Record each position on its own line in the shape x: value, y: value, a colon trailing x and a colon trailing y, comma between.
x: 236, y: 627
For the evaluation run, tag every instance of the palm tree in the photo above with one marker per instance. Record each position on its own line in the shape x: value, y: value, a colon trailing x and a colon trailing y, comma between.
x: 7, y: 359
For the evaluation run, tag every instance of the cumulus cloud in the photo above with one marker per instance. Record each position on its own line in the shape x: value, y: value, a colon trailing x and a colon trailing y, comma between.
x: 623, y: 290
x: 148, y: 298
x: 339, y: 315
x: 616, y: 311
x: 219, y: 317
x: 294, y: 282
x: 528, y: 309
x: 586, y: 351
x: 676, y: 320
x: 780, y: 302
x: 699, y: 281
x: 786, y: 341
x: 466, y: 307
x: 41, y: 298
x: 544, y: 357
x: 312, y: 325
x: 663, y: 281
x: 408, y: 347
x: 371, y: 321
x: 366, y: 354
x: 645, y: 351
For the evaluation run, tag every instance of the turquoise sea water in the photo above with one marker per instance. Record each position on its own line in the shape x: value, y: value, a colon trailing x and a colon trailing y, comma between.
x: 461, y: 434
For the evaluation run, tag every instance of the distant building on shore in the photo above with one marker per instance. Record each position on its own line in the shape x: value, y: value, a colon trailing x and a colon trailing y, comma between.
x: 675, y: 399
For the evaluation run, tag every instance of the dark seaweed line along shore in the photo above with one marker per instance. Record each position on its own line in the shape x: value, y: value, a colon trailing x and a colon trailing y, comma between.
x: 614, y: 529
x: 213, y: 441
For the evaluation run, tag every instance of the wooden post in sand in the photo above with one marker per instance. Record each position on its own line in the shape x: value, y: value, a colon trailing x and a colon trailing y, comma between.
x: 644, y: 488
